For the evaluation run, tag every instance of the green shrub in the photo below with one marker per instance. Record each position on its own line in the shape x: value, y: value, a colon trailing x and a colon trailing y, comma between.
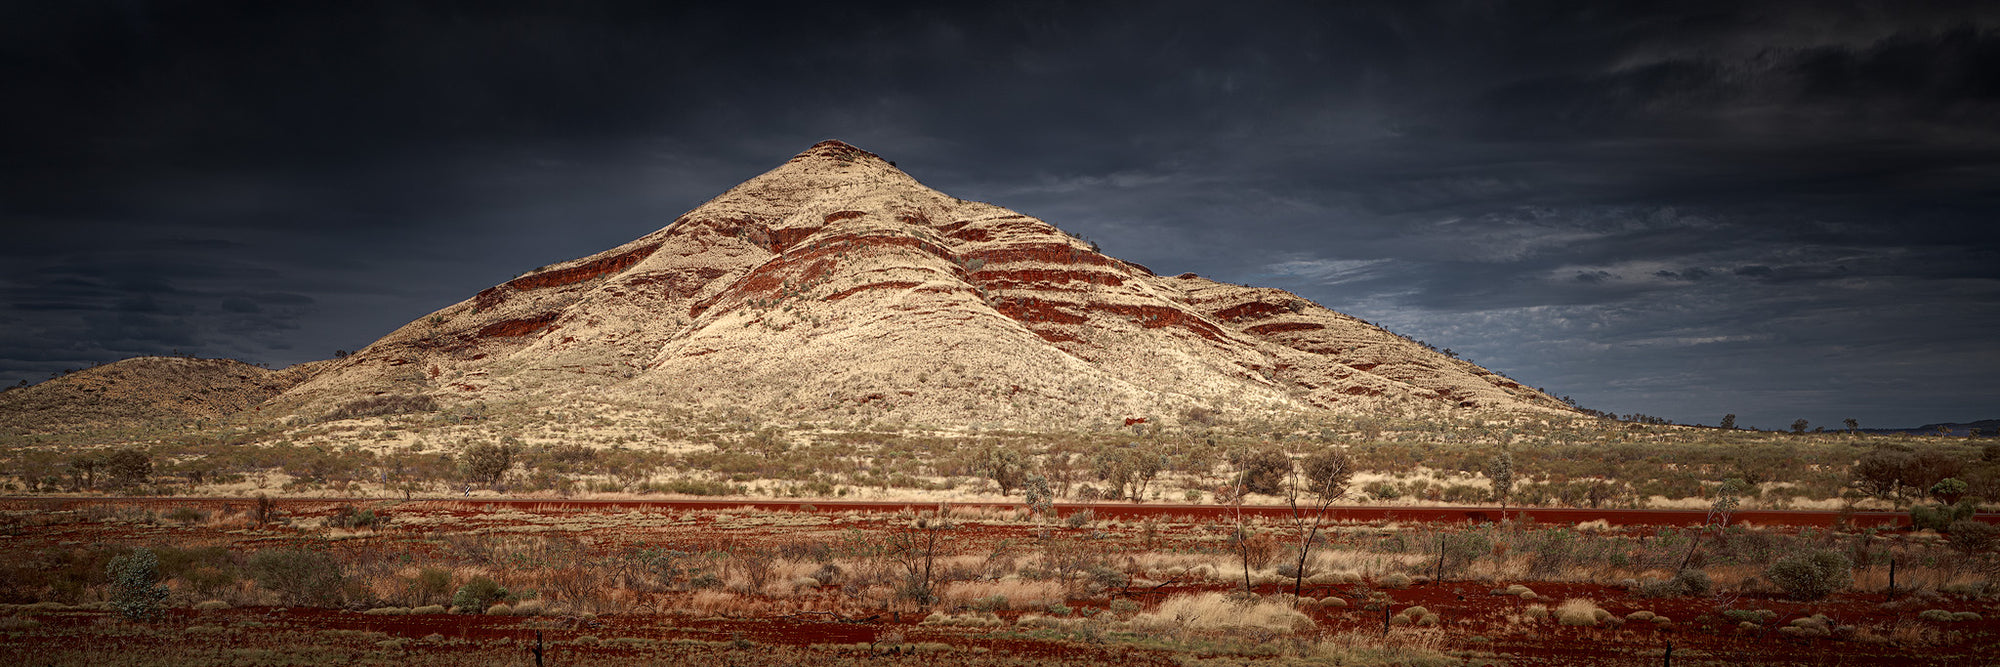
x: 431, y: 585
x: 299, y: 577
x: 208, y: 580
x: 1971, y: 536
x: 185, y: 514
x: 1462, y: 548
x: 1694, y: 582
x: 346, y: 516
x: 478, y: 594
x: 1812, y: 575
x: 1657, y: 588
x: 1943, y: 616
x: 136, y: 592
x: 1939, y: 517
x: 1949, y: 489
x: 1752, y: 616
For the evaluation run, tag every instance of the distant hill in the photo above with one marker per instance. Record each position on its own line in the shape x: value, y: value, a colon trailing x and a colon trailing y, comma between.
x: 1986, y: 426
x: 144, y: 392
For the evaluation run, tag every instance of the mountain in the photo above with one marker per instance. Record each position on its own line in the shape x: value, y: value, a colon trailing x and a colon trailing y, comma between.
x: 836, y: 286
x: 144, y: 392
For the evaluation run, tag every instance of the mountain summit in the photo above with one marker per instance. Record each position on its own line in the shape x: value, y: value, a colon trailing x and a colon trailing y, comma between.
x: 837, y: 286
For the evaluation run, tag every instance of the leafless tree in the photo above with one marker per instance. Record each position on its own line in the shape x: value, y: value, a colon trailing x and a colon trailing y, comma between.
x: 1236, y: 501
x: 1324, y: 475
x: 917, y: 545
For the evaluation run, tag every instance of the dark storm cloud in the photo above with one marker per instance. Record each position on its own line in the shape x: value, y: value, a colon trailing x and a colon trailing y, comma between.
x: 1673, y: 208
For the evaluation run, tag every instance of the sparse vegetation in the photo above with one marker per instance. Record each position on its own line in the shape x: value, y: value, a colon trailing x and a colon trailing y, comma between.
x: 376, y: 406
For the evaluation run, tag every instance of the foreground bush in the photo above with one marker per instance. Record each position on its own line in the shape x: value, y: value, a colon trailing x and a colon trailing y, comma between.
x: 300, y: 577
x: 135, y: 589
x: 479, y: 593
x: 1688, y: 582
x: 1812, y: 575
x: 1939, y: 517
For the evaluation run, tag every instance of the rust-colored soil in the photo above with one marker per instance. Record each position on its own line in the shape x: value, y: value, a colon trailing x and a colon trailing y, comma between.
x: 1476, y: 621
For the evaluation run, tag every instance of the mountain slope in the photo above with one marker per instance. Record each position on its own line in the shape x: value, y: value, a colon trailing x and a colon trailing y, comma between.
x: 836, y: 285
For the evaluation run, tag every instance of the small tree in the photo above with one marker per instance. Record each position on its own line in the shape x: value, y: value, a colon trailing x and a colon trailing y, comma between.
x: 265, y: 510
x: 1005, y: 467
x: 1799, y: 427
x: 1729, y: 422
x: 1851, y: 424
x: 1325, y: 475
x: 1242, y: 534
x: 136, y: 592
x: 129, y: 468
x: 1895, y: 474
x: 1949, y: 490
x: 1040, y: 498
x: 1726, y: 499
x: 1264, y: 472
x: 83, y: 469
x: 486, y: 463
x: 917, y: 546
x: 1501, y: 472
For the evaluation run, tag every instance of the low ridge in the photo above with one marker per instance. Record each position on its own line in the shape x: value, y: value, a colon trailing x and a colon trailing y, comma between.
x: 144, y: 392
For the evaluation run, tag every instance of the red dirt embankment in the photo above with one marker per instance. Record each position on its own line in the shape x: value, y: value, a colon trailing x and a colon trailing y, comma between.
x: 1109, y: 510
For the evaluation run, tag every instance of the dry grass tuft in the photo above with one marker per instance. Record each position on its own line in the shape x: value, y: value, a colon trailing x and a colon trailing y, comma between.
x: 1018, y: 593
x: 1216, y: 611
x: 1414, y: 648
x: 1578, y: 611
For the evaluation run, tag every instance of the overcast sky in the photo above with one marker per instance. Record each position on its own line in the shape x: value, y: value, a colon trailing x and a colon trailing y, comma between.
x: 1682, y: 209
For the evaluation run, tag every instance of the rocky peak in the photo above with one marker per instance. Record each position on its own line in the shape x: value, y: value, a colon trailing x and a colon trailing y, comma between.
x: 837, y: 286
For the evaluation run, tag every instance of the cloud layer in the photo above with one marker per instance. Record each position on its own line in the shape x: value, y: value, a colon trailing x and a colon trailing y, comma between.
x: 1681, y: 209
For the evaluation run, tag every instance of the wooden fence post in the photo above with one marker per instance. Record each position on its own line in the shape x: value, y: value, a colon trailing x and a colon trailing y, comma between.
x: 1892, y: 577
x: 1440, y: 565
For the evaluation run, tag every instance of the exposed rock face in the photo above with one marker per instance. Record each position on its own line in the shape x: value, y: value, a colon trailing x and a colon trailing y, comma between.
x: 836, y: 285
x: 144, y: 392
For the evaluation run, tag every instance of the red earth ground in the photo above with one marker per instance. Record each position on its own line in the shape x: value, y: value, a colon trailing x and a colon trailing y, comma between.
x: 1476, y: 620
